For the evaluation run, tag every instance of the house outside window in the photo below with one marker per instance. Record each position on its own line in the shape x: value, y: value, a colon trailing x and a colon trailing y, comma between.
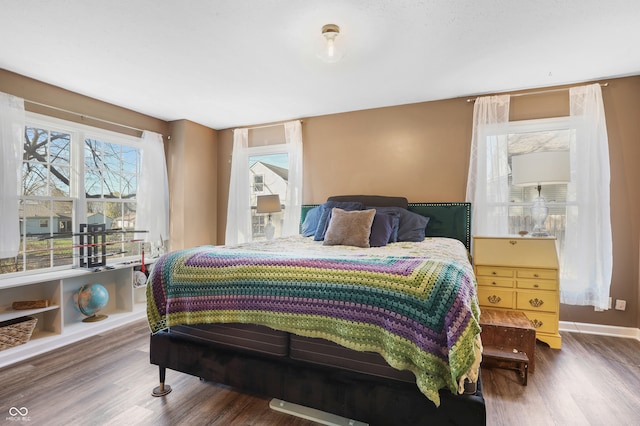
x: 72, y: 174
x: 273, y: 173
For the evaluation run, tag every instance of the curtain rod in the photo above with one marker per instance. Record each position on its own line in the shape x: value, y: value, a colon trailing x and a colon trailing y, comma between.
x: 540, y: 92
x: 83, y: 116
x: 269, y: 125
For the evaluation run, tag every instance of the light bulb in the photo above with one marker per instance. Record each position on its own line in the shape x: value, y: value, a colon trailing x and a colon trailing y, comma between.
x: 330, y: 51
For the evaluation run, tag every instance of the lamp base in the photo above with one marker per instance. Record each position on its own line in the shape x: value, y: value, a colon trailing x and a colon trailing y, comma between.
x: 269, y: 230
x: 539, y: 212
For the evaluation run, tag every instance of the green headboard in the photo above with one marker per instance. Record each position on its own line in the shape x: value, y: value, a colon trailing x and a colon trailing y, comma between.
x: 451, y: 220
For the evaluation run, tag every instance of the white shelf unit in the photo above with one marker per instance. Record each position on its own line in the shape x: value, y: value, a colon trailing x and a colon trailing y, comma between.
x: 60, y: 323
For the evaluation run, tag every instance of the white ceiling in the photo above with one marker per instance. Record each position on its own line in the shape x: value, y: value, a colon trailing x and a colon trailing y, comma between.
x: 228, y: 63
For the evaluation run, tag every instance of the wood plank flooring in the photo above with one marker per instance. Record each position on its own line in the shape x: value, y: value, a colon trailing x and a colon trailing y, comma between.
x: 107, y: 380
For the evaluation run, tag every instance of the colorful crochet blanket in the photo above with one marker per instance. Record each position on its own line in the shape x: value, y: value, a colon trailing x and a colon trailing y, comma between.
x: 419, y: 313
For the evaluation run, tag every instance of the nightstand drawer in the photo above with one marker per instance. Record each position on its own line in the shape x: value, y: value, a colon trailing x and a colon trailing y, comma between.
x: 494, y: 282
x: 543, y: 274
x: 551, y: 285
x: 537, y: 301
x: 543, y: 322
x: 495, y: 297
x: 493, y: 271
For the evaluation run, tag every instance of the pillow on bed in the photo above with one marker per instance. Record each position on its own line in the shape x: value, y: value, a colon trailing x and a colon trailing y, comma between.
x: 311, y: 220
x: 349, y: 228
x: 411, y: 227
x: 325, y: 216
x: 382, y: 228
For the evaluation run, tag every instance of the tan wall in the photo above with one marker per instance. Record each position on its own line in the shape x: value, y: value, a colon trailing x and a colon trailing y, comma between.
x: 193, y: 184
x: 421, y: 151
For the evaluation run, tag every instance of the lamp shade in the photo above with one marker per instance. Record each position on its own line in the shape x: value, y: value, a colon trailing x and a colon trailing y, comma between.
x: 268, y: 203
x: 540, y: 168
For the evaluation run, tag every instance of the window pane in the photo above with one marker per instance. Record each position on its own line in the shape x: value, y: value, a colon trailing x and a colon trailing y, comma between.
x: 111, y: 188
x: 35, y: 178
x: 129, y: 185
x: 129, y: 159
x: 36, y: 144
x: 112, y: 160
x: 92, y: 153
x: 555, y: 195
x: 113, y: 214
x: 60, y: 148
x: 93, y: 183
x: 63, y: 218
x: 60, y: 181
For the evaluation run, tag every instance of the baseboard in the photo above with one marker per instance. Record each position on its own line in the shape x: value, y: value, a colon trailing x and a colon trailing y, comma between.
x: 601, y: 329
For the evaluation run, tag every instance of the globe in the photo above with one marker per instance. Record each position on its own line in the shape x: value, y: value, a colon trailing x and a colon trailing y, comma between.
x: 89, y: 300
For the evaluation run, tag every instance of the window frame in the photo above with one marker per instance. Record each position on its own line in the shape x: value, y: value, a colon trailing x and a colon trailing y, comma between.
x: 78, y: 133
x: 532, y: 126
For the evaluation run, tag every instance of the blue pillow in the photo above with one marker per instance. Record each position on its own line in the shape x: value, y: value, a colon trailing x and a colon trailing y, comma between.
x: 381, y: 229
x: 311, y: 220
x: 325, y: 216
x: 412, y: 225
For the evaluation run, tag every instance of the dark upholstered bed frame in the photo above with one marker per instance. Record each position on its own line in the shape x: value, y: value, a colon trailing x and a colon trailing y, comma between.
x: 265, y: 362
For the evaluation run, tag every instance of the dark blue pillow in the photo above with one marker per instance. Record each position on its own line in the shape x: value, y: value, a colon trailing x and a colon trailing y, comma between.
x: 412, y: 225
x: 381, y: 229
x: 325, y: 216
x: 311, y: 220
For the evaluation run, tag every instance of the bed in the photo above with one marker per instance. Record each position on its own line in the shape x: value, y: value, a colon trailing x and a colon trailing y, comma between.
x: 381, y: 332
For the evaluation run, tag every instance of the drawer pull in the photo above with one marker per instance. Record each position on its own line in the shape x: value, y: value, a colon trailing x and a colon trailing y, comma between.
x: 494, y: 283
x: 536, y: 323
x: 536, y: 275
x: 536, y: 286
x: 536, y: 303
x: 494, y: 273
x: 494, y: 299
x: 512, y: 242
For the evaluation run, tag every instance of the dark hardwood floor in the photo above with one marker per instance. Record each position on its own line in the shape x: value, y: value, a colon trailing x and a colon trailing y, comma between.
x: 107, y: 380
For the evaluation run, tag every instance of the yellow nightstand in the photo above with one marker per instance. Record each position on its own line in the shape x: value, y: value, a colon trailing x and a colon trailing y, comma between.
x: 522, y: 274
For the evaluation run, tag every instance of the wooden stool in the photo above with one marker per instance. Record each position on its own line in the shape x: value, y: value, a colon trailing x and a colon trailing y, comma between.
x: 509, y: 332
x: 520, y: 359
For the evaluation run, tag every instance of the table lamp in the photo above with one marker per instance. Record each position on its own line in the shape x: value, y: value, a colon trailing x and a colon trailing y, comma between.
x: 537, y: 169
x: 268, y: 204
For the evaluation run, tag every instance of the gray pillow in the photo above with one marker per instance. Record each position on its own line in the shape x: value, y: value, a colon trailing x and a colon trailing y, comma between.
x: 325, y: 216
x: 349, y: 228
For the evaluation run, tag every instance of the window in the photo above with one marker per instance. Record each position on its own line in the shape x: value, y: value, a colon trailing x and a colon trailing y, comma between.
x: 268, y: 141
x: 258, y: 183
x: 272, y: 171
x: 73, y: 174
x: 525, y: 137
x: 580, y: 214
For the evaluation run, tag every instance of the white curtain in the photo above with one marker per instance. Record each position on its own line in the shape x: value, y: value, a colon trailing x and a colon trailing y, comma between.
x: 587, y: 262
x: 12, y: 122
x: 153, y: 192
x: 293, y: 201
x: 488, y: 179
x: 238, y: 208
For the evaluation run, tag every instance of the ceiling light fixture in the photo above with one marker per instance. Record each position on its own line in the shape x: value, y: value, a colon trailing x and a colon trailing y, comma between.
x: 331, y: 50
